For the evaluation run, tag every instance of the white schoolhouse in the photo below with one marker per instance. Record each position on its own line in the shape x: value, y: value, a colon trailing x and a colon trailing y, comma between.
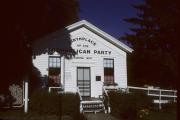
x: 100, y: 60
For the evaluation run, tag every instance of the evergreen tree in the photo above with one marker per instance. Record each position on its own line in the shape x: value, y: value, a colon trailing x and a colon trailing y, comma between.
x: 24, y: 21
x: 154, y: 39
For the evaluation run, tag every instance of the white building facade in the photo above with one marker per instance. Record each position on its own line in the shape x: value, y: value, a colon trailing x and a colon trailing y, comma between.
x: 100, y: 60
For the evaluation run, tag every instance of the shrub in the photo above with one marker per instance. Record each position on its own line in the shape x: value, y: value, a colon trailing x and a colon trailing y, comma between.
x: 169, y: 107
x: 82, y: 117
x: 66, y: 104
x: 43, y: 102
x: 143, y: 114
x: 127, y: 105
x: 71, y: 105
x: 142, y: 100
x: 6, y: 100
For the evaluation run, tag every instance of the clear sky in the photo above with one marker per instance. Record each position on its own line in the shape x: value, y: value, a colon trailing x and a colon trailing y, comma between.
x: 108, y: 14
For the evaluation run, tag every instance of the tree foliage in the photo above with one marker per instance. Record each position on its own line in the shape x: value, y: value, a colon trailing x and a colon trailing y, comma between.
x: 24, y: 21
x: 154, y: 39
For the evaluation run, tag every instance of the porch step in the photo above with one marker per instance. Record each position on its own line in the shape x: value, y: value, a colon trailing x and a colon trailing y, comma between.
x: 92, y: 106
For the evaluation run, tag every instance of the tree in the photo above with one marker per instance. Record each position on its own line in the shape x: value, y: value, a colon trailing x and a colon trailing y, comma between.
x: 24, y: 21
x: 154, y: 39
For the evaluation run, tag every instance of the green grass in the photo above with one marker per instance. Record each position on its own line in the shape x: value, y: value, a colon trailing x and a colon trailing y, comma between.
x: 20, y: 115
x: 158, y: 115
x: 17, y: 114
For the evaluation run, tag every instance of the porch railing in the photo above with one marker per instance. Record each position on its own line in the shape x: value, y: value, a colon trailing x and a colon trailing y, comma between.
x: 79, y: 94
x: 80, y: 97
x: 107, y: 98
x: 162, y: 94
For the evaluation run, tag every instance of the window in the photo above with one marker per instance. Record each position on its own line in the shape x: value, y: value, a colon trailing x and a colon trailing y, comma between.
x: 108, y: 71
x: 54, y: 62
x: 54, y: 70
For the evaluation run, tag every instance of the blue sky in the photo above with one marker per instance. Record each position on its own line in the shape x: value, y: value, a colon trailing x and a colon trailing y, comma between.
x: 108, y: 14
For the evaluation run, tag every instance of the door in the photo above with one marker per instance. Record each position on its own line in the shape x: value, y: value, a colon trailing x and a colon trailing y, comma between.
x: 83, y: 81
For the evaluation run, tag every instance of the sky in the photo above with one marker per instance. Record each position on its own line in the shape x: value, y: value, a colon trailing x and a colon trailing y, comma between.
x: 108, y: 15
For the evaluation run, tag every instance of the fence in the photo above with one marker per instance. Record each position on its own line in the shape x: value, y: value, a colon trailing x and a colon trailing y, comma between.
x: 161, y: 96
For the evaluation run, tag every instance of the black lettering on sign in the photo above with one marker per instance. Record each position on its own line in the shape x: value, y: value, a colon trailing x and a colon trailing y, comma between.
x: 95, y: 51
x: 101, y: 52
x: 80, y: 51
x: 79, y: 58
x: 83, y: 39
x: 88, y: 51
x: 88, y: 57
x: 78, y: 45
x: 85, y: 45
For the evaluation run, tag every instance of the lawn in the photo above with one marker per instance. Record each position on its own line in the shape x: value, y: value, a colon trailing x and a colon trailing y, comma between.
x: 19, y: 115
x: 163, y: 115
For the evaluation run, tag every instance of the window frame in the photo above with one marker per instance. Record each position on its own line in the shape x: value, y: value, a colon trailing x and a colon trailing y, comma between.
x: 56, y: 77
x: 54, y: 62
x: 106, y: 66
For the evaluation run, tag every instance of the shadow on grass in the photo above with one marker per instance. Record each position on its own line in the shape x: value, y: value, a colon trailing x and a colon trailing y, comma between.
x: 159, y: 115
x: 18, y: 114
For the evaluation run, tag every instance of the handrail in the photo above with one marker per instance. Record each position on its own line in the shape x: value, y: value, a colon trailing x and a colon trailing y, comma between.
x: 104, y: 89
x: 149, y: 88
x: 108, y: 104
x: 159, y: 94
x: 155, y: 89
x: 79, y: 93
x: 80, y: 97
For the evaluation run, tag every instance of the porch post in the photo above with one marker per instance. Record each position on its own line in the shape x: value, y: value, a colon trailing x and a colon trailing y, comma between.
x: 26, y: 96
x: 160, y: 99
x: 63, y: 71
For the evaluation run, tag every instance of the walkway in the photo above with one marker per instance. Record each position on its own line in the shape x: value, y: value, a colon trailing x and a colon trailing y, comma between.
x: 99, y: 116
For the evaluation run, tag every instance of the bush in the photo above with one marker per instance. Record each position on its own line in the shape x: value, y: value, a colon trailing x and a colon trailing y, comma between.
x: 127, y: 105
x: 143, y: 114
x: 66, y: 104
x: 43, y: 102
x: 71, y: 105
x: 142, y: 100
x: 169, y: 107
x: 6, y: 100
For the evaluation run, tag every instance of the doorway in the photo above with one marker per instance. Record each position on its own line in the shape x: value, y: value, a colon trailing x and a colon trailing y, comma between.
x: 84, y: 81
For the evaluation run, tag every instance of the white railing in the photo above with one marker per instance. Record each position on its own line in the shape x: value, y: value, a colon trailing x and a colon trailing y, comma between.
x: 50, y: 88
x: 81, y: 107
x: 79, y: 93
x: 156, y: 92
x: 106, y: 94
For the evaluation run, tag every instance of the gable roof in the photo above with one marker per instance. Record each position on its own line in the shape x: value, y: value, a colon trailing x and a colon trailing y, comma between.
x: 109, y: 38
x: 61, y: 39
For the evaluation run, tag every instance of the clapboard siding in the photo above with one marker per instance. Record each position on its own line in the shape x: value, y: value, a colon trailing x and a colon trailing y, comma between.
x: 118, y: 55
x: 92, y: 60
x: 41, y: 62
x: 120, y: 71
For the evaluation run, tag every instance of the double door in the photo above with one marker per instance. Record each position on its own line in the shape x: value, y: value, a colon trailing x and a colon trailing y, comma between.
x: 84, y: 81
